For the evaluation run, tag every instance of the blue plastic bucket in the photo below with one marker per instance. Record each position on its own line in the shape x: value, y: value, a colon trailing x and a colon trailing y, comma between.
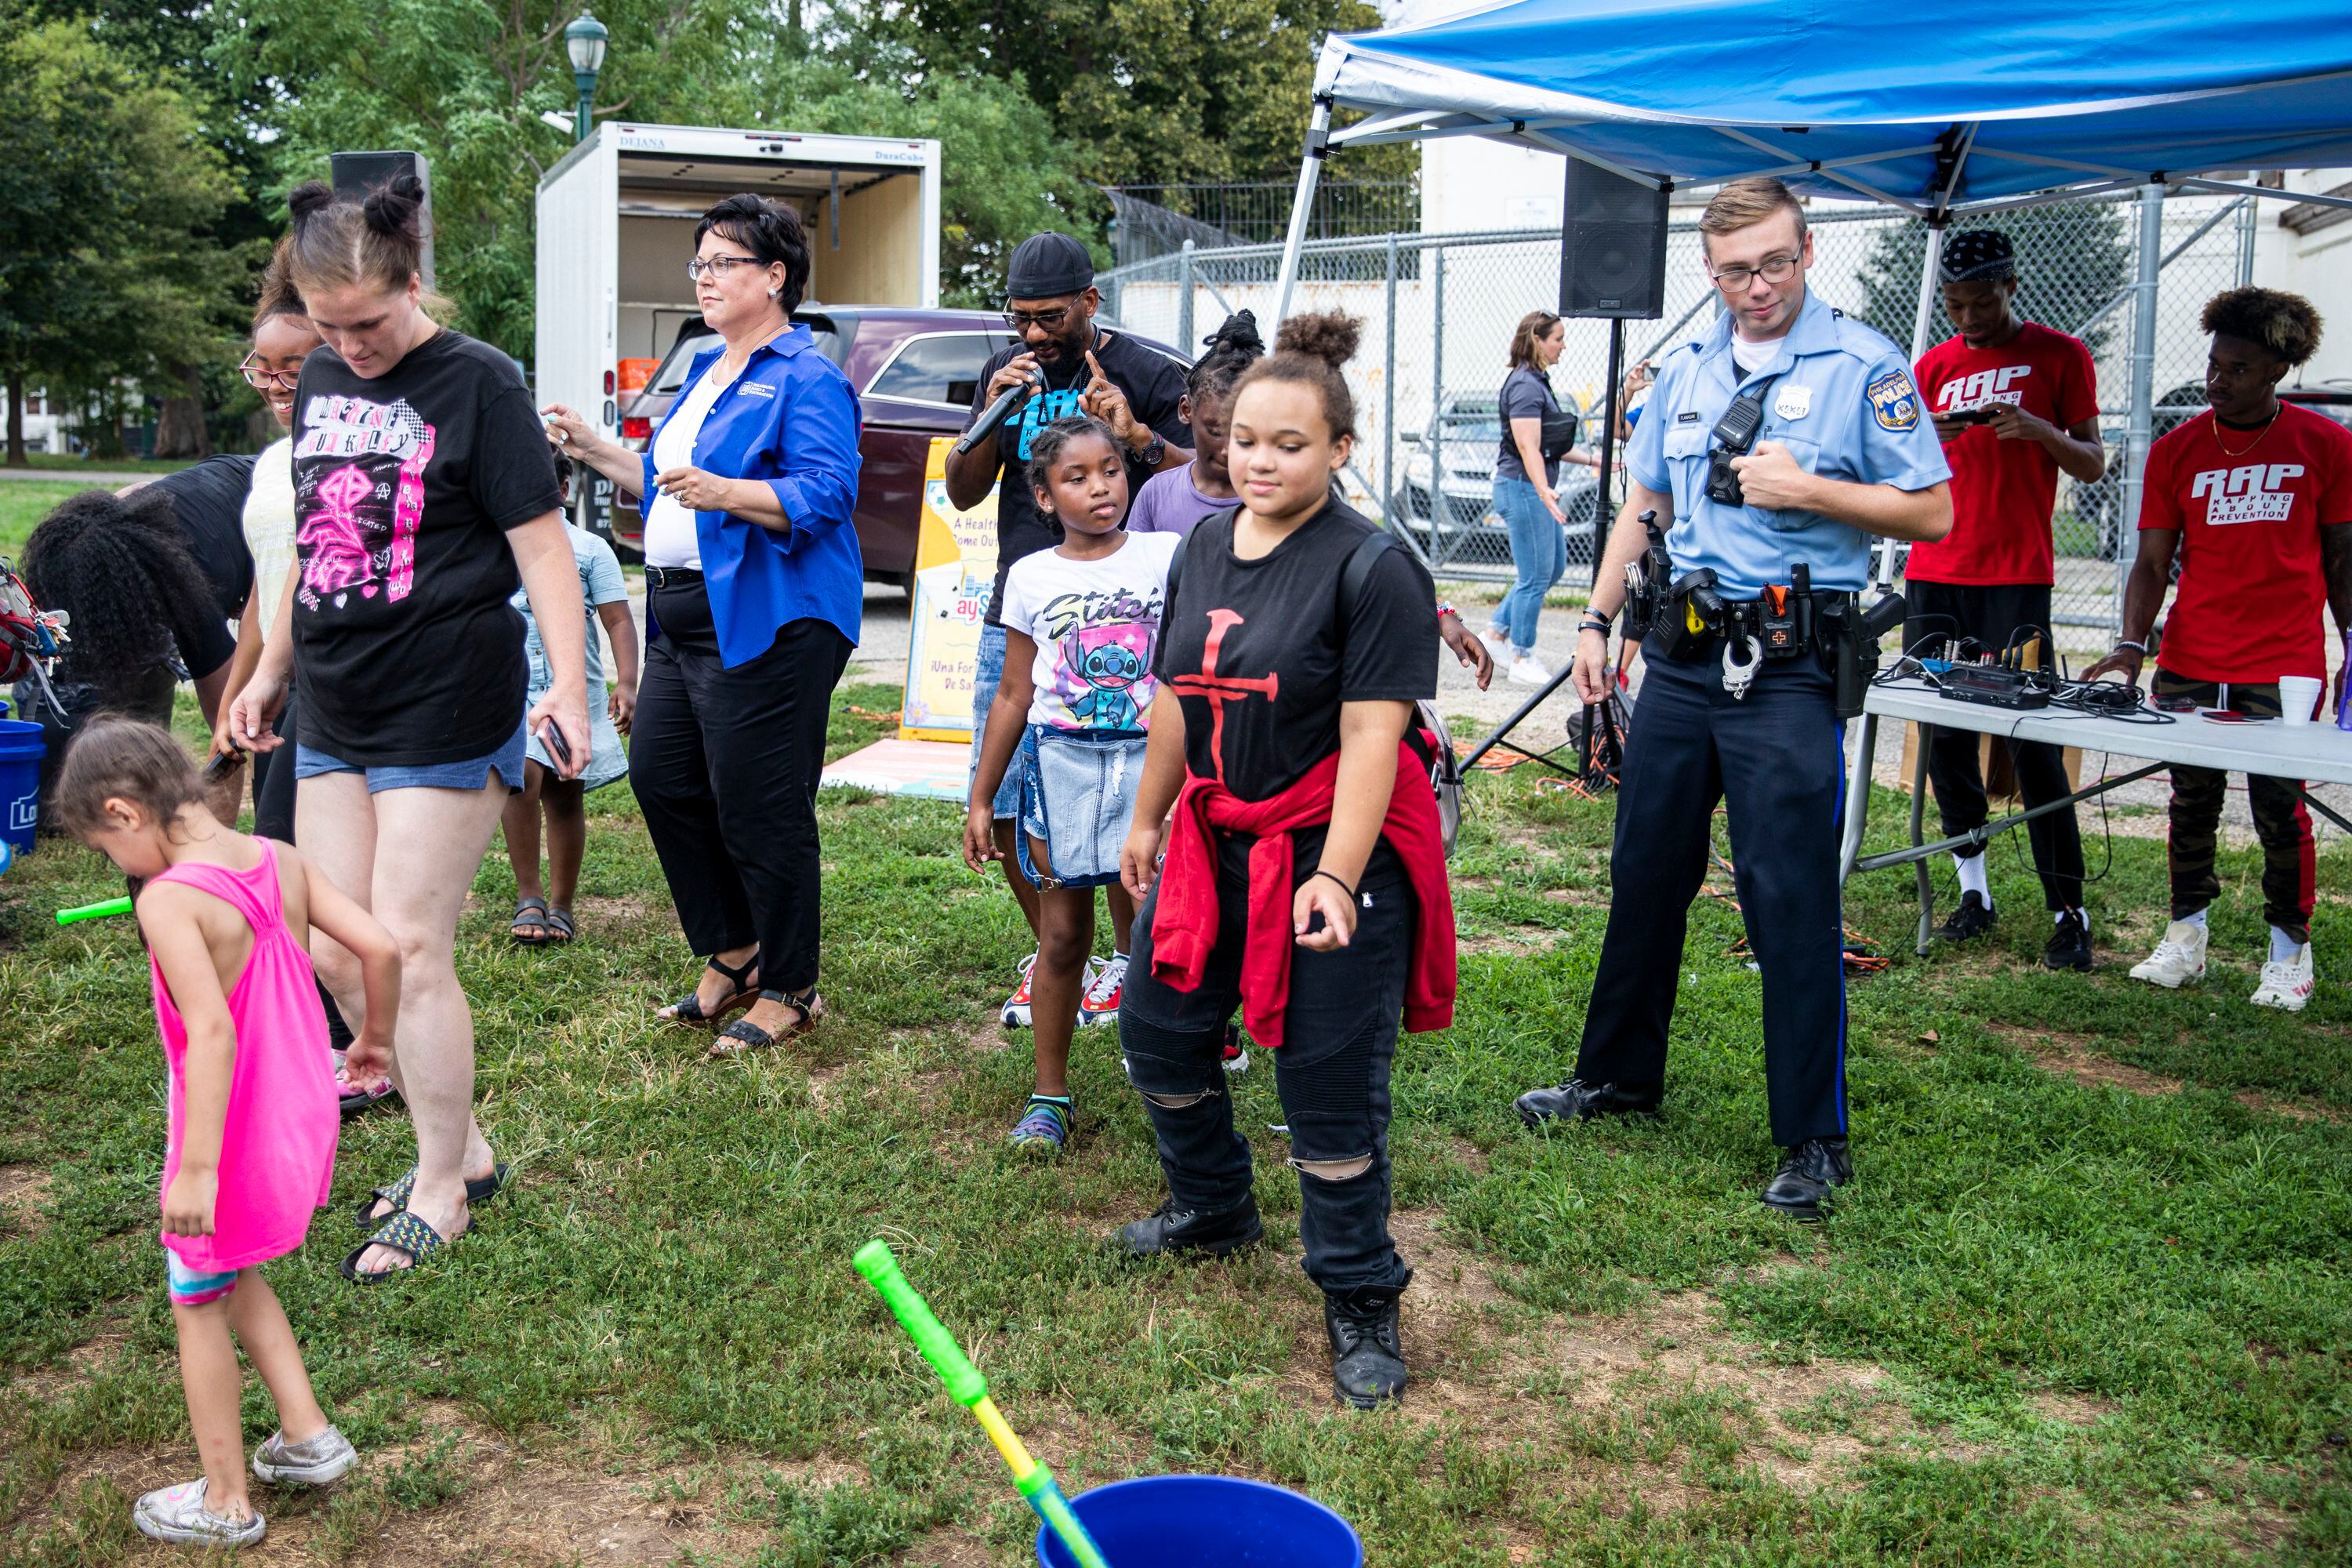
x: 21, y: 748
x: 1206, y: 1521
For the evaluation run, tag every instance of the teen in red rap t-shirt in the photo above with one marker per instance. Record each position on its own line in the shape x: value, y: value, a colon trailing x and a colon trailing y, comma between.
x: 2015, y: 404
x: 2254, y: 497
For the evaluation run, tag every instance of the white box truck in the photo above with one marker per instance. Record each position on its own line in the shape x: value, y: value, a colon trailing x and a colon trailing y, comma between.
x: 616, y: 228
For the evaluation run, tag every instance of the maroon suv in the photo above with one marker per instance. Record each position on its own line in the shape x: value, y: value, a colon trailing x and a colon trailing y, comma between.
x: 915, y: 371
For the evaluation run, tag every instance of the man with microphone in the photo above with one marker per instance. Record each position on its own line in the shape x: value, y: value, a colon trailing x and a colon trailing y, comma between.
x: 1069, y: 365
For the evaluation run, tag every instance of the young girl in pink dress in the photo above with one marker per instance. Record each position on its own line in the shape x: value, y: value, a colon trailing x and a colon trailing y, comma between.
x: 226, y: 920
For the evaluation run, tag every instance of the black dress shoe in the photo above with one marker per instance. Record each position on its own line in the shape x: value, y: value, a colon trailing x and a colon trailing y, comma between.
x: 1173, y: 1230
x: 1367, y: 1356
x: 1970, y: 921
x: 1806, y: 1176
x: 1578, y: 1100
x: 2070, y: 943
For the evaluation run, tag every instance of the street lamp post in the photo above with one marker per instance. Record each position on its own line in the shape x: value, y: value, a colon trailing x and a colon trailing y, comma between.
x: 584, y: 40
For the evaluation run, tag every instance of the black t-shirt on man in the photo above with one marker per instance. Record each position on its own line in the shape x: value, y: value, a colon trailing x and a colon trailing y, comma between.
x: 406, y: 650
x: 1153, y: 383
x: 1262, y: 653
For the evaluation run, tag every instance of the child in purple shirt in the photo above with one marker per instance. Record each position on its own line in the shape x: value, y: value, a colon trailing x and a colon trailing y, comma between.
x: 1173, y: 502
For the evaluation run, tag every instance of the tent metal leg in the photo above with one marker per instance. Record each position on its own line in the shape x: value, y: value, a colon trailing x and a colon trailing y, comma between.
x: 1302, y: 206
x: 2143, y: 385
x: 1919, y: 821
x: 1857, y: 799
x: 1920, y: 320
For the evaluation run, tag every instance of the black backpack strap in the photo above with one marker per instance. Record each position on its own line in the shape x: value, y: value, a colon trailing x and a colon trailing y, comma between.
x: 1356, y: 573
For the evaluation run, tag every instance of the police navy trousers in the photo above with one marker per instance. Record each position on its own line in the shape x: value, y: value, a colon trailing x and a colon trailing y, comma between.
x: 1776, y: 760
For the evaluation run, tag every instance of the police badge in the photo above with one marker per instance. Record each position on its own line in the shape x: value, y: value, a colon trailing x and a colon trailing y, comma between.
x: 1894, y: 401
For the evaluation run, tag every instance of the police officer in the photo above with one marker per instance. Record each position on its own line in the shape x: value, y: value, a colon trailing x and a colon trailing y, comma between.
x: 1837, y: 450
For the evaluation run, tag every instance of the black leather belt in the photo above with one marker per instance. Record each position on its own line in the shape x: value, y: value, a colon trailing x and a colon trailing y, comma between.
x: 673, y: 578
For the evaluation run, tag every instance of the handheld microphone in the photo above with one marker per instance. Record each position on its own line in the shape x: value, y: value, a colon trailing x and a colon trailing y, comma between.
x: 995, y: 414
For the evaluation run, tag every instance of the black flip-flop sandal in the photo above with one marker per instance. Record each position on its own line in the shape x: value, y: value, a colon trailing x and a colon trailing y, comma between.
x: 529, y: 913
x: 561, y: 928
x: 687, y: 1009
x: 742, y: 1036
x: 478, y: 1191
x: 406, y: 1234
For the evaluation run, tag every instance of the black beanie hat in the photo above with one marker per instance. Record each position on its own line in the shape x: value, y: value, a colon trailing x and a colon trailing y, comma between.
x: 1047, y: 266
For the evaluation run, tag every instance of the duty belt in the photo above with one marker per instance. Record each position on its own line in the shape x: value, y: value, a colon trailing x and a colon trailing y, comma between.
x: 1787, y: 621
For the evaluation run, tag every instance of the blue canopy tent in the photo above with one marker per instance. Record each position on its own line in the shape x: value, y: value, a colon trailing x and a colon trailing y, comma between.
x: 1944, y: 109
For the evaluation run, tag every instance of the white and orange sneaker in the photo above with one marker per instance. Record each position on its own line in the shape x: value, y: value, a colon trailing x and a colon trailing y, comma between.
x: 1106, y: 978
x: 1014, y: 1015
x: 2287, y: 985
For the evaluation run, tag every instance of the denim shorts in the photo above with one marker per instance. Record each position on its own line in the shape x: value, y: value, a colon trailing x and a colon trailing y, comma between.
x: 985, y: 675
x: 472, y: 774
x: 1078, y: 798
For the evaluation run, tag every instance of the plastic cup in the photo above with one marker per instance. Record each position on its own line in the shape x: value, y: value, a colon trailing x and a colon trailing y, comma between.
x: 2298, y: 697
x: 1206, y: 1521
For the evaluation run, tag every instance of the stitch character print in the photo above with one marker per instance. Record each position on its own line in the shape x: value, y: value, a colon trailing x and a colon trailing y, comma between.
x: 1105, y: 663
x: 356, y: 521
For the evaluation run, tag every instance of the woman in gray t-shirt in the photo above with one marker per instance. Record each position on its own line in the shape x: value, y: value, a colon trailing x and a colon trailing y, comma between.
x: 1524, y: 492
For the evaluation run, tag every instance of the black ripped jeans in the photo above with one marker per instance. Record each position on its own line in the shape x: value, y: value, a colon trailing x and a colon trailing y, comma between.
x: 1332, y: 1071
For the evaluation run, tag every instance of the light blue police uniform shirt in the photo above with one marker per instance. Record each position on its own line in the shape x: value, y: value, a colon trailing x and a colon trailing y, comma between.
x: 1843, y: 403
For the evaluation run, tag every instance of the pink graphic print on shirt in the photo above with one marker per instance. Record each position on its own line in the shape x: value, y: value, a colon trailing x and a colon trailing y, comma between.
x: 357, y: 521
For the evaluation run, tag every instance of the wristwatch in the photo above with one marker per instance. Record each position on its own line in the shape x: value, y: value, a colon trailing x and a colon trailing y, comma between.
x: 1151, y: 456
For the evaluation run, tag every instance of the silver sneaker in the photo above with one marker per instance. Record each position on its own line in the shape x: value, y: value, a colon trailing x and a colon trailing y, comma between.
x: 177, y: 1514
x: 327, y: 1457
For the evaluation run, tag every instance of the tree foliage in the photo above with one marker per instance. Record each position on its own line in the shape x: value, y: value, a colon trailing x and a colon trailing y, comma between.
x: 112, y: 265
x: 2071, y: 261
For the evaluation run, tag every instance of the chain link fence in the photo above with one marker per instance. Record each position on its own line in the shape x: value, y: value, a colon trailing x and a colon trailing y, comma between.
x: 1439, y: 312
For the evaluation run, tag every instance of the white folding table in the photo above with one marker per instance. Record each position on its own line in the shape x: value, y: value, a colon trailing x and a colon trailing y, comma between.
x: 2305, y: 753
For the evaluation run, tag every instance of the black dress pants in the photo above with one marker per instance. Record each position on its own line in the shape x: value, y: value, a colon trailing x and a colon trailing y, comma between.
x: 725, y: 765
x: 1993, y: 616
x: 1776, y: 760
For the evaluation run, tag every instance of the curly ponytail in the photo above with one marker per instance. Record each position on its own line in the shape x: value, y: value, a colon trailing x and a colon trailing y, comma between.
x: 1311, y: 351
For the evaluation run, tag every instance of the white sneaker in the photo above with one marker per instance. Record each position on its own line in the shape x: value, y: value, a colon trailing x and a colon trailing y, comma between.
x: 1105, y: 978
x: 2287, y: 986
x: 178, y: 1514
x: 1014, y: 1015
x: 324, y: 1459
x: 1528, y: 670
x: 2178, y: 958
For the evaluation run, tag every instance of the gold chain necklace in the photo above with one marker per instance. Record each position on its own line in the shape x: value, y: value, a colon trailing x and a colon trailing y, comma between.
x: 2250, y: 445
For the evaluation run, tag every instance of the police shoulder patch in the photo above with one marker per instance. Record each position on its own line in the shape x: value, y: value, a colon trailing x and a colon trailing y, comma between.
x: 1894, y: 401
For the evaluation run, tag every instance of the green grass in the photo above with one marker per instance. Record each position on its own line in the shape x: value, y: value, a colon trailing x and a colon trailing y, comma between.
x: 23, y: 504
x: 67, y: 462
x: 2055, y: 1320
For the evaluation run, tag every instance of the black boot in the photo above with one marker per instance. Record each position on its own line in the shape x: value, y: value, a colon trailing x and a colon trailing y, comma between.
x: 1173, y: 1230
x: 1806, y: 1177
x: 1367, y: 1357
x: 1581, y: 1101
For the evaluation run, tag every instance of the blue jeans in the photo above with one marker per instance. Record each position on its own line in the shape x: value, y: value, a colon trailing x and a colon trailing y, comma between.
x: 1540, y: 550
x: 987, y: 671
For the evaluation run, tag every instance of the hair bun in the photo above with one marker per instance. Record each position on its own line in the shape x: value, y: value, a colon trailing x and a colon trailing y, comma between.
x: 1330, y: 336
x: 1239, y: 335
x: 391, y: 207
x: 308, y: 199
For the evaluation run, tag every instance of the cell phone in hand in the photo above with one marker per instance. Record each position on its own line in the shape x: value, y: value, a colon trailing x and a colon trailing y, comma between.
x: 223, y: 765
x: 1981, y: 414
x: 552, y: 734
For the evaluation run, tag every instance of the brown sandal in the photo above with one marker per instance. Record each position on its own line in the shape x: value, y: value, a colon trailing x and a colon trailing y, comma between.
x: 742, y: 1036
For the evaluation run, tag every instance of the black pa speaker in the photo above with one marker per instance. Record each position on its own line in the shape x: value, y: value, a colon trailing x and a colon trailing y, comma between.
x: 355, y: 175
x: 1612, y: 250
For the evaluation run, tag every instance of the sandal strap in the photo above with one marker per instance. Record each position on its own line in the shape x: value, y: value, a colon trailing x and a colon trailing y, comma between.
x: 402, y: 1233
x: 397, y: 1195
x: 561, y: 920
x: 531, y: 903
x: 750, y: 1036
x: 734, y: 973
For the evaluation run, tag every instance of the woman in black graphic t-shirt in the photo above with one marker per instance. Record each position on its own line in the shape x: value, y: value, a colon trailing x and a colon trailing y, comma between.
x: 424, y: 491
x: 1304, y: 876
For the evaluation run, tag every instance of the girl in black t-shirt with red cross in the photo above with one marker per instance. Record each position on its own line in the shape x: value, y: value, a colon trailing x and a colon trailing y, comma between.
x: 1305, y: 875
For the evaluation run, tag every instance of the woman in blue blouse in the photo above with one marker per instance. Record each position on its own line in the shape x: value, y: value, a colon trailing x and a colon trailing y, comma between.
x: 753, y: 589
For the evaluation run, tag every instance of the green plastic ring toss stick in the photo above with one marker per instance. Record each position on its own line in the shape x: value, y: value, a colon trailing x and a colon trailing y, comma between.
x: 94, y: 912
x: 969, y: 1389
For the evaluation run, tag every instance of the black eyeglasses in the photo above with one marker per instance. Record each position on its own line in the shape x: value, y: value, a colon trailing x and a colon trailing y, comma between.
x: 1022, y: 320
x: 1773, y: 269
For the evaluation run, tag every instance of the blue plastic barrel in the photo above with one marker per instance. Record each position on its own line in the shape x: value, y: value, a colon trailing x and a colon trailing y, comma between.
x: 1206, y: 1521
x: 21, y: 748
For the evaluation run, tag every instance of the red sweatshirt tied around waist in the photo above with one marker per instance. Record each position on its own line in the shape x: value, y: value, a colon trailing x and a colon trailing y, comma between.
x: 1184, y: 930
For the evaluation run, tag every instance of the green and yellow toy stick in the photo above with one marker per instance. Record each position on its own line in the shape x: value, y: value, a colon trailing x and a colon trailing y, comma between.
x: 94, y: 912
x: 969, y: 1389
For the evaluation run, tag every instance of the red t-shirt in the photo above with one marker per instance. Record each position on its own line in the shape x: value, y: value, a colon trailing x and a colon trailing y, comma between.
x: 2002, y: 492
x: 2252, y: 593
